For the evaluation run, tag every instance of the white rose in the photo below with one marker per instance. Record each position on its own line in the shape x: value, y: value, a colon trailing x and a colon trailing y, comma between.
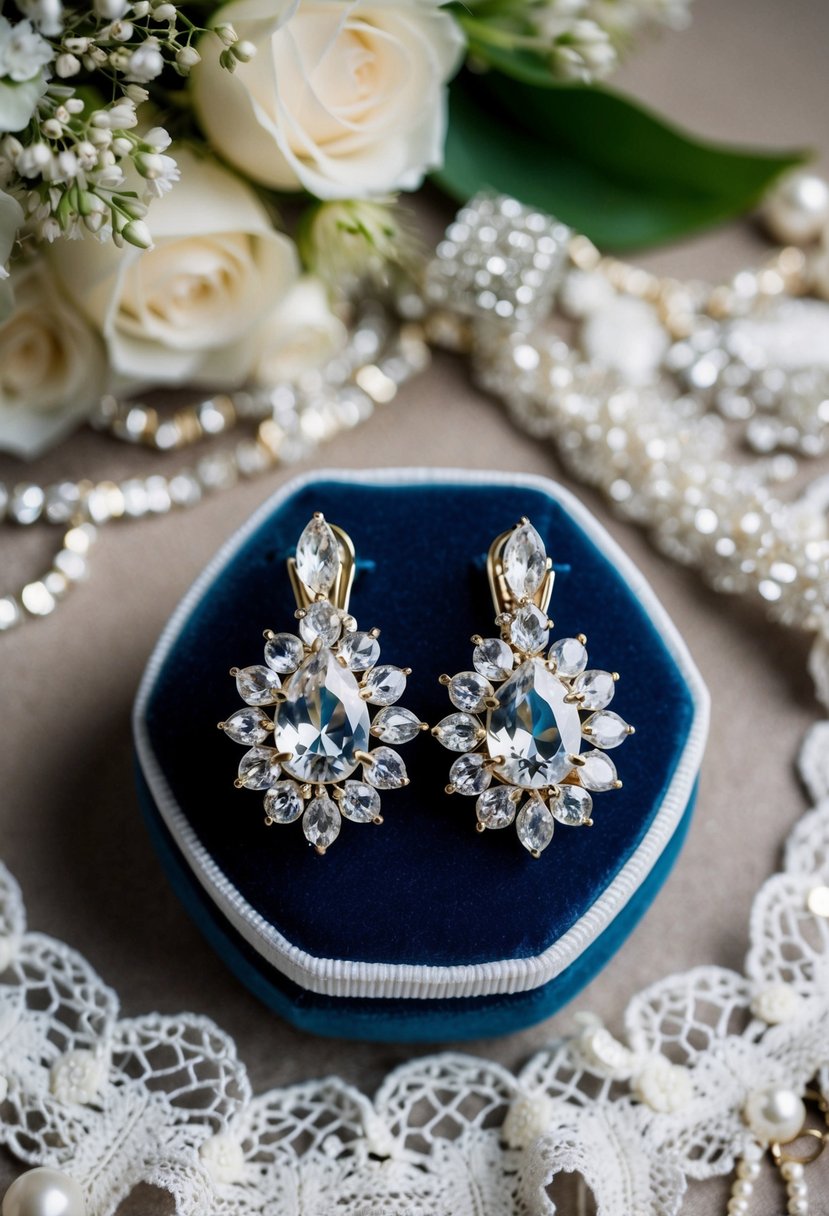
x: 301, y: 334
x: 52, y: 365
x: 343, y: 97
x: 186, y: 310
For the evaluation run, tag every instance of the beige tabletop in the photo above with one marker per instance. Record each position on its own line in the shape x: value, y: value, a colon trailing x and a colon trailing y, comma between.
x: 747, y: 70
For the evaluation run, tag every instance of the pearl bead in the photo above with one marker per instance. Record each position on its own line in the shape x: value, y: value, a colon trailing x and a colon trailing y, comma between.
x: 792, y: 1171
x: 798, y: 1207
x: 797, y: 1190
x: 44, y: 1192
x: 737, y: 1206
x: 797, y: 208
x: 748, y: 1169
x: 775, y: 1115
x: 742, y: 1189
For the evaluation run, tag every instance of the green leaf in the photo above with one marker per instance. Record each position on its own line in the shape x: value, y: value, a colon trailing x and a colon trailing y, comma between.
x: 596, y: 160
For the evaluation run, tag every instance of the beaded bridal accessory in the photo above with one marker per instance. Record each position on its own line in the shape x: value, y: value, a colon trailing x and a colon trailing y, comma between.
x: 529, y: 750
x: 319, y: 686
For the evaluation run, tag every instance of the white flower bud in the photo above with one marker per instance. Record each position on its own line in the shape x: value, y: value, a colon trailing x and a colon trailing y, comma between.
x: 133, y: 207
x: 164, y: 12
x: 51, y: 128
x: 227, y: 34
x: 148, y: 164
x: 243, y: 51
x: 76, y: 46
x: 119, y: 60
x: 109, y: 10
x: 141, y: 9
x: 121, y: 146
x: 146, y: 62
x: 187, y: 58
x: 11, y: 147
x: 89, y: 202
x: 100, y: 136
x: 33, y: 160
x: 87, y: 154
x: 49, y: 230
x: 136, y: 93
x: 121, y: 31
x: 67, y: 65
x: 74, y: 105
x: 138, y: 234
x: 158, y: 139
x: 94, y: 221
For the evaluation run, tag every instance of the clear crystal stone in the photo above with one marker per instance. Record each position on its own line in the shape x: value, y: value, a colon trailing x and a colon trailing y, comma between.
x: 360, y: 651
x: 258, y: 769
x: 321, y: 822
x: 396, y: 725
x: 257, y: 685
x: 605, y: 729
x: 458, y: 732
x: 525, y: 561
x: 468, y: 690
x: 283, y: 802
x: 535, y: 826
x: 568, y: 656
x: 247, y: 726
x: 533, y: 729
x: 318, y: 557
x: 496, y: 807
x: 321, y: 621
x: 386, y: 770
x: 469, y: 775
x: 528, y: 629
x: 597, y: 689
x: 360, y: 802
x: 323, y: 721
x: 384, y: 685
x: 598, y: 773
x: 572, y: 805
x: 284, y: 652
x: 492, y: 657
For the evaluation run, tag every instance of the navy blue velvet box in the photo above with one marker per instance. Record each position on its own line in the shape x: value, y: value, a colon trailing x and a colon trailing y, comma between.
x: 422, y: 929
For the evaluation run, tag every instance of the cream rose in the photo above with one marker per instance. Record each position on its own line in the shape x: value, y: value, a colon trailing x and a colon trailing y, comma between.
x: 186, y: 310
x: 52, y: 365
x: 343, y: 98
x: 300, y: 335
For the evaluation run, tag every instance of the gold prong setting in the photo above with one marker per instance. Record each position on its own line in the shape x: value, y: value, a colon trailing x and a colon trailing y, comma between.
x: 522, y: 714
x: 322, y: 683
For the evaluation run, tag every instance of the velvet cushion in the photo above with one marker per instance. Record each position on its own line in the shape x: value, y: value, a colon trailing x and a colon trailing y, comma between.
x: 425, y: 888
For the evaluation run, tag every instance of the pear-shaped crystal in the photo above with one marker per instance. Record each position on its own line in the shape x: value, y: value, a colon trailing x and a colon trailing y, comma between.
x: 384, y: 685
x: 528, y: 630
x: 259, y: 769
x: 318, y: 557
x: 492, y: 657
x: 386, y: 771
x: 572, y: 805
x: 596, y: 688
x: 606, y: 729
x: 257, y: 685
x: 360, y: 650
x: 323, y: 721
x: 321, y: 623
x: 598, y: 773
x: 247, y: 726
x: 360, y: 803
x: 283, y: 652
x: 534, y: 826
x: 533, y: 730
x: 396, y: 725
x: 321, y: 822
x: 469, y: 774
x: 468, y: 690
x: 283, y: 802
x: 568, y: 656
x: 496, y: 807
x: 458, y: 732
x: 525, y: 561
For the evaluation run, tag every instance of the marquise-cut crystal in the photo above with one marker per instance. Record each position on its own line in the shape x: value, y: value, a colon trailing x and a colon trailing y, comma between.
x: 598, y: 773
x: 458, y: 732
x: 283, y: 802
x: 533, y: 729
x: 257, y: 685
x: 534, y: 826
x: 321, y: 623
x: 321, y: 822
x: 283, y: 652
x: 318, y: 557
x: 323, y: 721
x: 360, y: 650
x: 496, y: 807
x: 386, y: 770
x: 606, y: 729
x: 385, y: 684
x: 525, y: 561
x: 246, y: 726
x: 528, y: 630
x: 568, y: 656
x: 492, y: 657
x: 469, y: 774
x: 259, y: 769
x: 468, y: 690
x: 396, y: 725
x: 360, y: 803
x: 572, y: 805
x: 596, y: 687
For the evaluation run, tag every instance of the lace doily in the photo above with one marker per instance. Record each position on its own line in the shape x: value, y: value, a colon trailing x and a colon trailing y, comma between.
x: 166, y: 1101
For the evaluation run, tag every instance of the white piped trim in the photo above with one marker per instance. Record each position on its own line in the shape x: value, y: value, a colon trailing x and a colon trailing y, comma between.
x: 341, y: 978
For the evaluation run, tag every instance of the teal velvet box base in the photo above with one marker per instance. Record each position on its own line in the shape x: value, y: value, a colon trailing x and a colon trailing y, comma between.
x: 422, y: 929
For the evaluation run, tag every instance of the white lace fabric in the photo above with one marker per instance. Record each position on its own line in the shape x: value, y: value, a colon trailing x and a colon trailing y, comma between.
x: 166, y: 1101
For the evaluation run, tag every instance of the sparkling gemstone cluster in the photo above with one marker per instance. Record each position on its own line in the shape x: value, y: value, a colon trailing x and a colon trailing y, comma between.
x: 522, y: 714
x: 318, y: 685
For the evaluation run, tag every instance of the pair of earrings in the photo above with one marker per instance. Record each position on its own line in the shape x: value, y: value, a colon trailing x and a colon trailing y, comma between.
x: 518, y: 723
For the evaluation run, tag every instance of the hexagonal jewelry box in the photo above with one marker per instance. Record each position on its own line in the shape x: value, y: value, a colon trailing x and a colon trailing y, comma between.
x: 420, y: 928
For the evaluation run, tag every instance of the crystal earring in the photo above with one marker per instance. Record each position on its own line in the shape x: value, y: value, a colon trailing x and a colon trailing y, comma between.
x: 521, y: 742
x: 319, y: 686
